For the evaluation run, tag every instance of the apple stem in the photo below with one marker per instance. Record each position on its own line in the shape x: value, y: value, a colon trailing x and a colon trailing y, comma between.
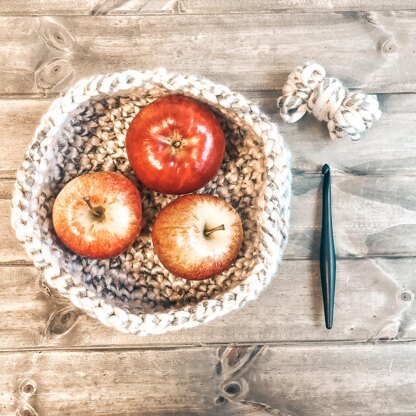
x: 208, y: 232
x: 93, y: 210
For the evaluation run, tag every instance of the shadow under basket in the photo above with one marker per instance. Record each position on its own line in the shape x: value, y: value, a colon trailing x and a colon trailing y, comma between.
x: 84, y: 131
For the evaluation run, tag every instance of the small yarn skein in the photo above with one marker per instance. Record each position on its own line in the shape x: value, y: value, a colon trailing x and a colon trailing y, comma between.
x: 346, y: 113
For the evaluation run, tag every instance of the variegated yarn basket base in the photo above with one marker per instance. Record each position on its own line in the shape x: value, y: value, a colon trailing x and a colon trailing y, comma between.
x: 85, y: 131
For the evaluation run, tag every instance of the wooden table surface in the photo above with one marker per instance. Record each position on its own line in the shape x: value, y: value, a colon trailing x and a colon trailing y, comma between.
x: 274, y: 356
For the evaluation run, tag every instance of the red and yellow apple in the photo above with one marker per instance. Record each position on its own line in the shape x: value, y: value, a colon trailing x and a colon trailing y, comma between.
x: 175, y: 145
x: 197, y: 236
x: 98, y: 215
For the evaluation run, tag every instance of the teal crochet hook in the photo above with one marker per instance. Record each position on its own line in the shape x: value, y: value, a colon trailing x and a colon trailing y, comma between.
x: 327, y: 255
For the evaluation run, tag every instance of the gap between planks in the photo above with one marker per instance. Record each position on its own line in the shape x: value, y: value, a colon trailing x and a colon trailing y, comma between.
x: 28, y: 263
x: 189, y: 346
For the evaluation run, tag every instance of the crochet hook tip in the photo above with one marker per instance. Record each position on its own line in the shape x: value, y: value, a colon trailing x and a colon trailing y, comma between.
x: 328, y: 323
x: 326, y: 169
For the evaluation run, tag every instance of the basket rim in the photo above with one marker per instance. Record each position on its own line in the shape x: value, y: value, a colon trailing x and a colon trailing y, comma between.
x: 277, y: 157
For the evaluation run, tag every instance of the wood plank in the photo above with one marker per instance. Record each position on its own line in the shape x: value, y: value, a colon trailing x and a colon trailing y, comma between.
x: 10, y: 249
x: 87, y: 7
x: 40, y: 56
x: 387, y: 148
x: 373, y: 216
x: 267, y: 6
x: 374, y: 301
x: 135, y: 7
x: 287, y: 380
x: 19, y: 118
x: 6, y: 188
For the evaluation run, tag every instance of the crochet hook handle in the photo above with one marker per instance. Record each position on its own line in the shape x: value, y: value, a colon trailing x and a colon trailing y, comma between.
x: 327, y: 255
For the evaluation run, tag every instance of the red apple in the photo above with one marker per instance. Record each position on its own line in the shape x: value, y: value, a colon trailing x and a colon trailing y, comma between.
x: 197, y: 236
x: 175, y: 145
x: 98, y: 215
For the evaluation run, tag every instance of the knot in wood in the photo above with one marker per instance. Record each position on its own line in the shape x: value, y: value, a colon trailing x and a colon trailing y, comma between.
x: 28, y: 388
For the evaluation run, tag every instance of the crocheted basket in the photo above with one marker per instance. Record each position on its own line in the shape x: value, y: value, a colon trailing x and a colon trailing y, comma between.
x: 84, y: 131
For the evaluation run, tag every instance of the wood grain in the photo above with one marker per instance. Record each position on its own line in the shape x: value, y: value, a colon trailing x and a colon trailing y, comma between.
x: 373, y: 216
x: 274, y: 356
x: 374, y: 301
x: 89, y: 7
x: 41, y: 56
x: 258, y: 380
x: 18, y: 120
x: 135, y: 7
x: 388, y: 148
x: 267, y: 6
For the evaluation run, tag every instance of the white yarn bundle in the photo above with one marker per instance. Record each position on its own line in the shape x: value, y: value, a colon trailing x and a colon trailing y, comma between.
x: 346, y: 113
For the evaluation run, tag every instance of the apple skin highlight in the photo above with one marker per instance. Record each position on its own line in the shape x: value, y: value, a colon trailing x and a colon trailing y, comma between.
x: 98, y: 215
x: 175, y: 145
x: 197, y: 236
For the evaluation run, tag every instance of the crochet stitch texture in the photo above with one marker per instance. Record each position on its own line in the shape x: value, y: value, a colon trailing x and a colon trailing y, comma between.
x: 84, y: 131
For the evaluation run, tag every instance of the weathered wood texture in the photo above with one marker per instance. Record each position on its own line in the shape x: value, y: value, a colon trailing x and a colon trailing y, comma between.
x: 387, y: 148
x: 287, y: 363
x: 44, y: 55
x: 284, y: 381
x: 375, y: 301
x: 373, y: 216
x: 95, y: 7
x: 270, y: 6
x: 134, y: 7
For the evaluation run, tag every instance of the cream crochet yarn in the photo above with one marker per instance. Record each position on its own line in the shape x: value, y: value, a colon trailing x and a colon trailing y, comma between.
x: 85, y: 131
x: 346, y: 113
